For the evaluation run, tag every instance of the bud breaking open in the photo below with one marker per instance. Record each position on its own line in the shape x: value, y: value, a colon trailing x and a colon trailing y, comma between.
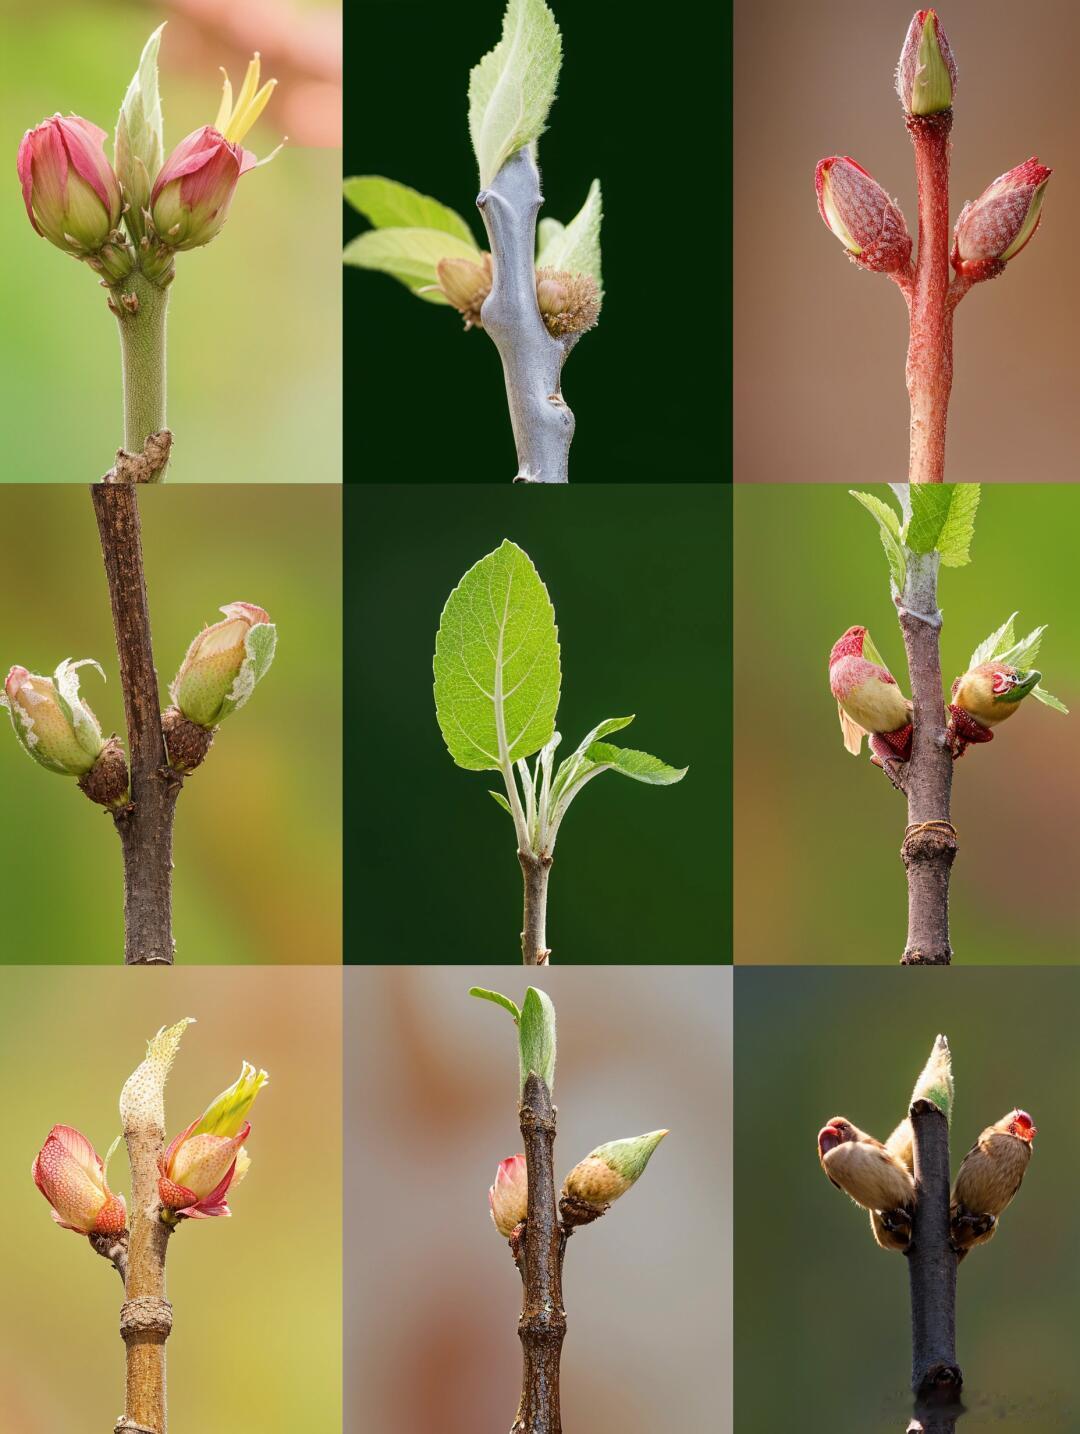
x: 202, y: 1164
x: 995, y: 227
x: 509, y: 1196
x: 568, y: 303
x: 466, y: 285
x: 610, y: 1170
x: 926, y: 73
x: 50, y: 719
x: 223, y: 664
x: 71, y: 1175
x: 861, y: 215
x: 71, y: 194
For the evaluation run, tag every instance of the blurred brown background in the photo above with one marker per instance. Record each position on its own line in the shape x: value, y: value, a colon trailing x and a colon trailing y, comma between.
x: 431, y: 1293
x: 820, y: 344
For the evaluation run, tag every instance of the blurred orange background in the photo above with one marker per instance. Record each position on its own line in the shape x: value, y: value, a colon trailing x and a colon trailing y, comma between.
x: 431, y: 1293
x: 820, y: 344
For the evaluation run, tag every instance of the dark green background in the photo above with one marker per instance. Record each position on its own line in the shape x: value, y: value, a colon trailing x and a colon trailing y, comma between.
x: 640, y: 580
x: 643, y: 105
x: 821, y: 1314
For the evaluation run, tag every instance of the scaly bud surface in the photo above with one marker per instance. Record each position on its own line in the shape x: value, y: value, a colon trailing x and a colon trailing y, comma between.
x: 71, y: 1175
x: 568, y: 303
x: 71, y: 194
x: 609, y: 1171
x: 861, y: 215
x: 995, y: 227
x: 509, y: 1196
x: 215, y: 670
x: 926, y: 73
x: 208, y: 1158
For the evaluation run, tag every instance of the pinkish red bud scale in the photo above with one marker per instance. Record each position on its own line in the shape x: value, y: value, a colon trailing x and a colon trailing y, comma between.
x: 861, y: 215
x: 926, y: 73
x: 509, y: 1196
x: 71, y: 194
x: 191, y: 196
x: 995, y: 227
x: 71, y: 1175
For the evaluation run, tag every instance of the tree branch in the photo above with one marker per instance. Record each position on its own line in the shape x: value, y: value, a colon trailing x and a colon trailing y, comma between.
x: 145, y: 825
x: 936, y: 1415
x: 930, y: 346
x: 542, y: 1324
x: 532, y: 359
x: 146, y: 1316
x: 536, y: 871
x: 929, y: 847
x: 932, y: 1259
x: 113, y: 1248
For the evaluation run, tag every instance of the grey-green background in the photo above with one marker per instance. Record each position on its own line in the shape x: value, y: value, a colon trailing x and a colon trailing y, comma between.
x: 821, y: 1314
x: 639, y: 579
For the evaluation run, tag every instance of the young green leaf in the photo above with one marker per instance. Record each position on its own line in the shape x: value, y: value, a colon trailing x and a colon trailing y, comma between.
x: 483, y: 994
x: 410, y: 255
x: 996, y: 643
x: 390, y: 205
x: 638, y: 765
x: 139, y: 147
x: 935, y: 1082
x: 571, y: 766
x: 496, y: 665
x: 536, y: 1037
x: 943, y: 520
x: 512, y: 88
x: 501, y: 801
x: 576, y: 248
x: 889, y: 529
x: 870, y: 652
x: 1022, y: 654
x: 1040, y: 693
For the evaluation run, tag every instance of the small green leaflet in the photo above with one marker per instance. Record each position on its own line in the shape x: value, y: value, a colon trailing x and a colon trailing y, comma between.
x: 943, y: 520
x: 389, y: 205
x: 260, y: 644
x: 512, y: 89
x: 536, y: 1038
x: 410, y: 255
x: 870, y: 652
x: 139, y: 147
x: 497, y: 675
x: 1002, y: 646
x: 483, y: 994
x: 996, y: 643
x: 889, y: 529
x: 575, y: 248
x: 638, y: 765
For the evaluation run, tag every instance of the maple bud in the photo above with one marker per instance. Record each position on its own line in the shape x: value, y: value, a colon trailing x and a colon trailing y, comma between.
x: 208, y: 1158
x: 509, y: 1196
x: 466, y: 285
x: 568, y: 303
x: 609, y: 1171
x: 995, y: 227
x: 71, y: 1175
x: 57, y: 728
x: 926, y: 73
x: 861, y: 215
x: 223, y: 664
x: 71, y: 194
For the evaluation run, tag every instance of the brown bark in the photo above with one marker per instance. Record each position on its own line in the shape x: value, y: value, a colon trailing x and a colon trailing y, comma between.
x: 932, y: 1260
x: 536, y: 871
x: 145, y: 825
x: 542, y: 1325
x: 146, y: 1316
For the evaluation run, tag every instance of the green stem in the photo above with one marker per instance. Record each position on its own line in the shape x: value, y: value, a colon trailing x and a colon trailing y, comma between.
x: 142, y: 346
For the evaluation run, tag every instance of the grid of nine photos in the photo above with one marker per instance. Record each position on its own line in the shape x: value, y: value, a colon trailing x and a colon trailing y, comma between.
x: 359, y: 553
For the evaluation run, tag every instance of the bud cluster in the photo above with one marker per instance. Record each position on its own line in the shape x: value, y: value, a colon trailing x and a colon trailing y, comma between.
x: 569, y: 303
x: 57, y: 728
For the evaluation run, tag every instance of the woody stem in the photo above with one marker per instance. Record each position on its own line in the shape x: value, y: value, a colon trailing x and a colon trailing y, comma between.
x: 930, y: 347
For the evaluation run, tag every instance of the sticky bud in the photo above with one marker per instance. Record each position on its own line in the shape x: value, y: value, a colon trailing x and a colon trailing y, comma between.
x: 926, y: 73
x: 861, y: 215
x: 466, y: 285
x: 608, y: 1172
x: 57, y: 728
x: 223, y: 665
x: 995, y: 227
x: 208, y: 1158
x: 509, y: 1196
x: 71, y: 1175
x: 569, y: 303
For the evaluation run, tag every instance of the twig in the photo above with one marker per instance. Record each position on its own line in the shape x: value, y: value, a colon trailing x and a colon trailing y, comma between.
x: 113, y: 1248
x: 936, y: 1416
x: 542, y: 1325
x: 532, y: 359
x: 145, y: 825
x: 147, y: 465
x: 146, y: 1316
x: 930, y: 347
x: 140, y: 305
x: 929, y: 847
x: 932, y: 1259
x: 536, y: 871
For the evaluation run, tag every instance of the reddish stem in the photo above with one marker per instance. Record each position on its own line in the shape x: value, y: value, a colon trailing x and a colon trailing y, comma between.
x: 930, y: 349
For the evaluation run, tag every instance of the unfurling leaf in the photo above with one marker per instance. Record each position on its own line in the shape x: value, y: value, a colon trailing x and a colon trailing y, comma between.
x: 410, y: 255
x: 889, y: 528
x: 512, y: 88
x: 483, y: 994
x: 140, y: 142
x: 536, y: 1038
x: 389, y: 205
x: 935, y: 1082
x: 575, y: 248
x: 943, y: 520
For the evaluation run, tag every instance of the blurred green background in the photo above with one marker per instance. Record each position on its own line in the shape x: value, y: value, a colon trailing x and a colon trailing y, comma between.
x: 257, y: 841
x: 636, y: 108
x: 822, y: 1316
x: 639, y: 580
x: 256, y: 1341
x: 254, y: 318
x: 817, y: 870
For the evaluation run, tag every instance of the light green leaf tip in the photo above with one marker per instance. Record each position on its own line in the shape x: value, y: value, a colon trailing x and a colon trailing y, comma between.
x: 483, y: 994
x: 943, y: 520
x: 411, y: 256
x: 870, y: 652
x: 139, y: 149
x: 260, y: 645
x: 575, y: 248
x: 935, y: 1083
x: 536, y: 1038
x: 889, y: 530
x: 512, y: 89
x: 638, y: 765
x: 389, y: 205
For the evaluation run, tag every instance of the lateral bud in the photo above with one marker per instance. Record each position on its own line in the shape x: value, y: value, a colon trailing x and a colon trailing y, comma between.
x: 185, y: 741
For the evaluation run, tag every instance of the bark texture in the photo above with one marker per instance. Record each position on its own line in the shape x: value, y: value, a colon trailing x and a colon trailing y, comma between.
x: 146, y: 1316
x: 542, y: 1325
x: 932, y: 1260
x: 536, y: 871
x: 930, y: 347
x: 532, y: 359
x: 929, y: 847
x: 145, y: 825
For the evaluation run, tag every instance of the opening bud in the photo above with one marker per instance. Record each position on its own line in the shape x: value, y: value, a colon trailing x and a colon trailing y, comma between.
x: 995, y: 227
x: 509, y: 1196
x: 202, y: 1164
x: 71, y: 194
x: 609, y: 1171
x: 861, y: 215
x: 50, y: 719
x: 926, y: 73
x: 466, y: 285
x: 223, y: 664
x: 71, y: 1175
x: 568, y: 303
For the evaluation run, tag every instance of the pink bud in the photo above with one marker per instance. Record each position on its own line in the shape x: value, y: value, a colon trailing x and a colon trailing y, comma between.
x: 197, y: 1171
x: 861, y: 215
x: 996, y: 226
x: 70, y: 191
x: 509, y: 1196
x: 71, y: 1175
x: 926, y: 73
x: 191, y: 195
